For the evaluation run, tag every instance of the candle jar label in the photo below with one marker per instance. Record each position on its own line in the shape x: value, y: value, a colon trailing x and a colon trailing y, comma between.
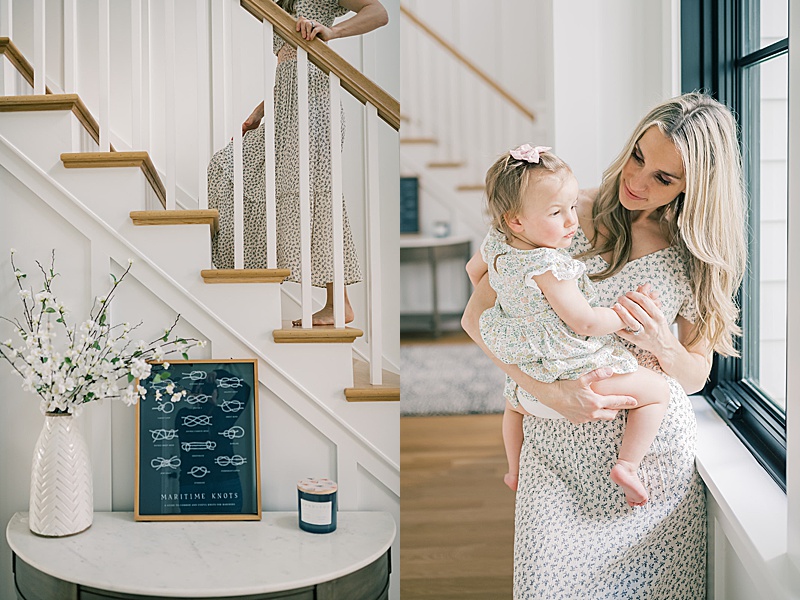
x: 315, y: 513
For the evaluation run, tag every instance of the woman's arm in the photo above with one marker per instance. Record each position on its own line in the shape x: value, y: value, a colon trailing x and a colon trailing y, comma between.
x: 574, y: 399
x: 689, y: 366
x: 476, y: 268
x: 370, y: 14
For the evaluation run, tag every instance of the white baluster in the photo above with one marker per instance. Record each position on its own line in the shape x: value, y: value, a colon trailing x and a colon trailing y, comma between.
x: 38, y: 47
x: 70, y: 46
x: 305, y: 185
x: 7, y: 72
x: 136, y: 74
x: 236, y: 129
x: 219, y: 75
x: 270, y: 64
x: 336, y: 199
x: 203, y: 104
x: 373, y: 220
x: 169, y: 100
x: 104, y: 79
x: 71, y: 64
x: 146, y: 109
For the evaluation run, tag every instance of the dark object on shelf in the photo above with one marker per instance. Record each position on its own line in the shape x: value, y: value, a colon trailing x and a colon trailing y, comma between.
x: 409, y: 205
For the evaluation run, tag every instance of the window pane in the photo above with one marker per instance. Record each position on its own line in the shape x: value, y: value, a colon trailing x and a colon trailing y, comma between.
x: 765, y: 22
x: 764, y: 128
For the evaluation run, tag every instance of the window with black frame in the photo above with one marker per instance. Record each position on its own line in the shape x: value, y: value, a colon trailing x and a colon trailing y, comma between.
x: 737, y: 50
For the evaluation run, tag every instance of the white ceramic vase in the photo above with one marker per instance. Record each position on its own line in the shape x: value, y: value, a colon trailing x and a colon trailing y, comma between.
x: 61, y: 501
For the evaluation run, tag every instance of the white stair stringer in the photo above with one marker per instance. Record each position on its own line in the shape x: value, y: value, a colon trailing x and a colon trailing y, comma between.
x: 354, y: 448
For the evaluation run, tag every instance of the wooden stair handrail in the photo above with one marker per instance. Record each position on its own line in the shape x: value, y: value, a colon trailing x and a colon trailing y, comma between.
x: 469, y: 64
x: 16, y: 58
x: 363, y: 89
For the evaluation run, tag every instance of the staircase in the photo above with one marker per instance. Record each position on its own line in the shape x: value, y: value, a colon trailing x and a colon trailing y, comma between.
x: 457, y: 118
x: 322, y: 411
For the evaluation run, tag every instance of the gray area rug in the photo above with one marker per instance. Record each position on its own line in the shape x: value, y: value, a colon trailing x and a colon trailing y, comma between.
x: 447, y: 379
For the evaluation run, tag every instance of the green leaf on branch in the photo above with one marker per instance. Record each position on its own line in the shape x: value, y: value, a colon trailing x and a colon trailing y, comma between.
x: 164, y: 374
x: 130, y: 377
x: 103, y: 319
x: 50, y: 310
x: 185, y: 356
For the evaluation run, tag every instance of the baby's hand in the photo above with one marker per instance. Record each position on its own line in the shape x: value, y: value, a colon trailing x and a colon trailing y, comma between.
x: 648, y: 290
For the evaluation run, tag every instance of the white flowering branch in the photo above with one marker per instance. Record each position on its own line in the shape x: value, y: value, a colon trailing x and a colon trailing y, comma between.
x: 98, y: 356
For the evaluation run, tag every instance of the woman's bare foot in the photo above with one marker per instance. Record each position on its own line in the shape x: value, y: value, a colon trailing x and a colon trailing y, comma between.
x: 624, y: 475
x: 324, y: 316
x: 512, y: 481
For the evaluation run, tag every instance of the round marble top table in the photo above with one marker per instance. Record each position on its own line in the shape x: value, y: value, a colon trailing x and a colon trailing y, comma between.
x: 181, y: 559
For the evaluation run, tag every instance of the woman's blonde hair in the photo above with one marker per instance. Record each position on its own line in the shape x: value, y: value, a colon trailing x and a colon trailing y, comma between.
x: 706, y: 222
x: 506, y: 181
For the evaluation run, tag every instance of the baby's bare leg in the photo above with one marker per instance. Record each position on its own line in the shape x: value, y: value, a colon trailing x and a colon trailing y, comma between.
x: 512, y: 440
x: 651, y: 391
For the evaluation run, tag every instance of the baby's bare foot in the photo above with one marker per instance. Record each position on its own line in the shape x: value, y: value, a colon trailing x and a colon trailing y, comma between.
x: 624, y: 475
x: 512, y: 481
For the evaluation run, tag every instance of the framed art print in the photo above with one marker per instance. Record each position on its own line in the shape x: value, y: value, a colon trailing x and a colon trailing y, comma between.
x: 197, y: 447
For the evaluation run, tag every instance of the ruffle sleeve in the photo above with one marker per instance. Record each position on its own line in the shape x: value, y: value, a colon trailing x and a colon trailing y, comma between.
x: 558, y: 262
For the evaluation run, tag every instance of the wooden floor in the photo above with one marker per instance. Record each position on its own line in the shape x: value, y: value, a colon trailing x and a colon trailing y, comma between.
x: 457, y: 517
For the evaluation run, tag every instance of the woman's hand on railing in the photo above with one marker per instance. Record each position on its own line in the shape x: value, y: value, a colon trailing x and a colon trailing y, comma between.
x: 254, y: 120
x: 310, y: 29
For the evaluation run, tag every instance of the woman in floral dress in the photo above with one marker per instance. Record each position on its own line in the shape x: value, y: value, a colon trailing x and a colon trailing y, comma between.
x: 314, y: 20
x: 669, y: 218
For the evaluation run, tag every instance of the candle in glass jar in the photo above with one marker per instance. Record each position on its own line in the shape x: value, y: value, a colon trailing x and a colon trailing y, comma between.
x: 316, y: 505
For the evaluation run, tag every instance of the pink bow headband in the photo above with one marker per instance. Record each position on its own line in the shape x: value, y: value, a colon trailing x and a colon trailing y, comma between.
x: 528, y: 153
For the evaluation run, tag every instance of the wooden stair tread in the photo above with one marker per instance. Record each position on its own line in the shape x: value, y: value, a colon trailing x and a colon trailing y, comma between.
x: 445, y: 165
x: 364, y: 391
x: 71, y: 102
x: 471, y: 187
x: 324, y: 334
x: 140, y: 159
x: 245, y: 275
x: 208, y: 217
x: 422, y: 140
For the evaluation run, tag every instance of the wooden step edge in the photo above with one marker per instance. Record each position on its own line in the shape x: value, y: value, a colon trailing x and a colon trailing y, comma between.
x: 474, y: 187
x: 364, y: 391
x: 71, y: 102
x: 208, y: 217
x: 245, y: 275
x: 15, y: 57
x: 418, y: 141
x: 91, y: 160
x: 445, y: 165
x: 324, y: 334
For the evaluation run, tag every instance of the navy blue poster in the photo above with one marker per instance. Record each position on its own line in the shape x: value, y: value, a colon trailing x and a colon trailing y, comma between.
x: 197, y: 442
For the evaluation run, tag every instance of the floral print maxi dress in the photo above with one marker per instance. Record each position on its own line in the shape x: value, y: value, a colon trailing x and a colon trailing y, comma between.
x: 287, y: 174
x: 576, y: 538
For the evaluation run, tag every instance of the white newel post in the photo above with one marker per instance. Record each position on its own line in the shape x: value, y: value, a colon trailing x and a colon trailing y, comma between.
x: 270, y: 66
x: 39, y: 74
x: 169, y: 100
x: 373, y: 247
x: 305, y: 186
x: 336, y: 199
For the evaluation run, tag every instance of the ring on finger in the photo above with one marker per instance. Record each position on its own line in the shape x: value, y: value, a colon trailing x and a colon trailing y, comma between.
x: 635, y: 331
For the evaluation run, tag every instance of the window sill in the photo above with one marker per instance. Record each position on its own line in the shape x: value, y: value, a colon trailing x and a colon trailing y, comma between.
x: 750, y: 508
